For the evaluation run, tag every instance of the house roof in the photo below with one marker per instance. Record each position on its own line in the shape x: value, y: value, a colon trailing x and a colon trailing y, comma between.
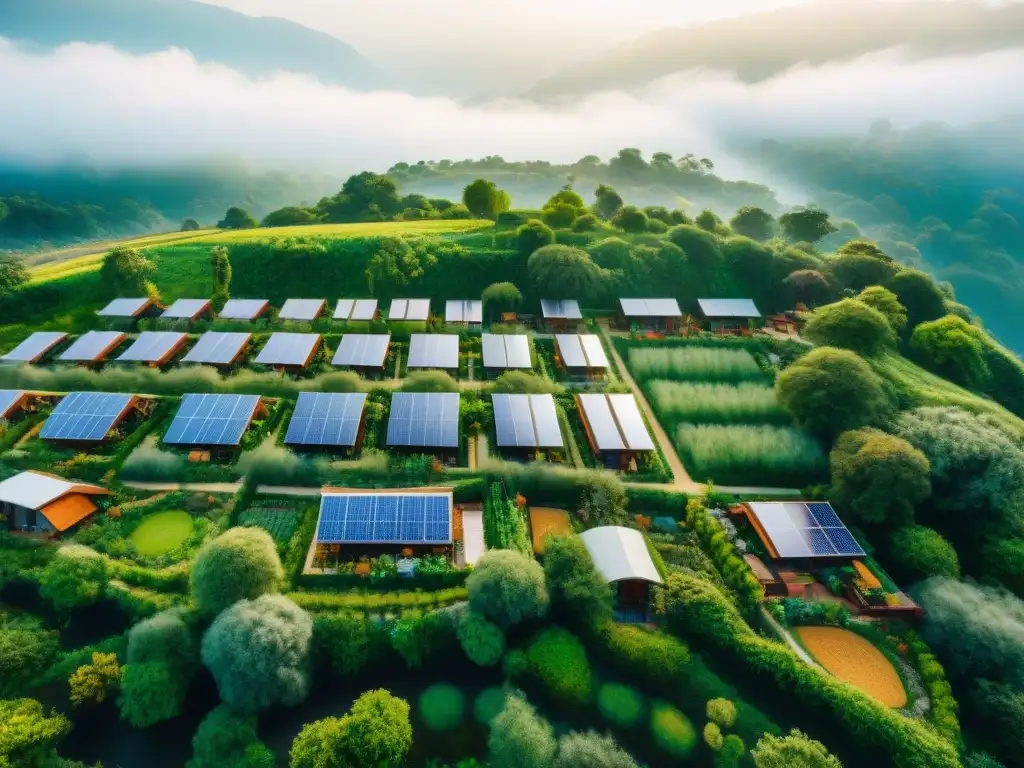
x: 620, y: 553
x: 650, y: 308
x: 35, y: 490
x: 728, y: 308
x: 68, y: 510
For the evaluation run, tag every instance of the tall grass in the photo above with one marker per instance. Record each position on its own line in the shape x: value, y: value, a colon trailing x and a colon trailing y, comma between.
x: 754, y: 455
x: 695, y: 364
x: 744, y: 403
x: 365, y: 229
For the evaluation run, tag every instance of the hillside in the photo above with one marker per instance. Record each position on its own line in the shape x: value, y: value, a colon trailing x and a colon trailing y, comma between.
x: 254, y: 46
x: 758, y: 46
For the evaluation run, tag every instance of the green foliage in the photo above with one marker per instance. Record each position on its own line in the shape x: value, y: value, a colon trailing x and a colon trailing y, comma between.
x: 693, y: 363
x: 608, y: 202
x: 915, y: 552
x: 585, y: 223
x: 377, y: 729
x: 731, y: 753
x: 28, y: 735
x: 832, y: 390
x: 126, y: 272
x: 591, y: 750
x: 442, y: 707
x: 27, y: 648
x: 521, y: 382
x: 721, y: 712
x: 13, y: 274
x: 809, y: 286
x: 258, y: 653
x: 708, y: 220
x: 850, y: 324
x: 654, y: 655
x: 629, y: 218
x: 726, y: 558
x: 164, y: 637
x: 226, y: 740
x: 1002, y: 560
x: 672, y: 730
x: 558, y: 660
x: 418, y: 640
x: 953, y: 349
x: 504, y: 523
x: 237, y: 218
x: 612, y: 253
x: 560, y: 270
x: 919, y: 294
x: 501, y: 297
x: 320, y: 744
x: 488, y: 704
x: 755, y: 223
x: 792, y: 751
x: 710, y: 403
x: 484, y: 200
x: 621, y: 705
x: 429, y: 381
x: 701, y: 248
x: 395, y: 263
x: 289, y: 216
x: 241, y: 563
x: 520, y: 738
x: 533, y: 235
x: 559, y: 215
x: 508, y: 587
x: 1001, y: 708
x: 75, y: 577
x: 348, y: 643
x: 805, y: 224
x: 577, y: 590
x: 482, y: 641
x: 94, y: 682
x: 151, y: 692
x: 886, y: 302
x: 603, y: 501
x: 713, y: 736
x: 515, y: 664
x: 365, y: 196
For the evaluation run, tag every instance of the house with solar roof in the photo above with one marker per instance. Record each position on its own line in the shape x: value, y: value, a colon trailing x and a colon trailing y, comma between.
x: 188, y: 311
x: 581, y: 355
x: 91, y: 418
x: 728, y: 316
x: 289, y: 351
x: 561, y: 314
x: 615, y: 430
x: 208, y: 424
x: 662, y: 315
x: 37, y: 502
x: 126, y: 310
x: 33, y: 349
x: 15, y: 403
x: 425, y: 423
x: 364, y: 353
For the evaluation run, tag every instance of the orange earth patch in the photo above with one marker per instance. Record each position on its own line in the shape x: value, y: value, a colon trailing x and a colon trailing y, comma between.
x: 545, y: 520
x: 853, y: 659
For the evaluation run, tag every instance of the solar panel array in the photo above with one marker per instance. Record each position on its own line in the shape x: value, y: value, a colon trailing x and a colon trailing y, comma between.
x: 463, y: 311
x: 92, y: 346
x: 123, y: 307
x: 153, y: 346
x: 434, y: 350
x: 362, y: 350
x: 289, y: 349
x: 356, y: 309
x: 728, y: 308
x: 301, y: 309
x: 34, y: 347
x: 212, y: 419
x: 581, y: 350
x: 217, y: 348
x: 798, y: 529
x: 8, y: 398
x: 243, y: 309
x: 526, y: 421
x: 510, y: 350
x: 561, y: 309
x: 385, y: 518
x: 85, y: 416
x: 326, y: 418
x: 650, y: 308
x: 615, y: 423
x: 409, y: 309
x: 424, y: 419
x: 185, y: 309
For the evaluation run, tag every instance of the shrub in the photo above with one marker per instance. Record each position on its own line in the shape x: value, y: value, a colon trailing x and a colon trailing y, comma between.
x: 713, y: 736
x: 225, y: 740
x: 348, y: 643
x: 916, y: 552
x: 26, y: 650
x: 76, y: 576
x: 163, y: 637
x: 722, y: 712
x: 850, y: 324
x: 320, y: 744
x: 241, y: 563
x: 520, y: 738
x: 885, y: 301
x: 442, y: 707
x: 952, y: 348
x: 577, y: 590
x: 728, y: 561
x: 655, y: 654
x: 671, y: 729
x: 558, y: 660
x: 377, y: 729
x: 482, y: 641
x: 488, y: 704
x: 429, y: 381
x: 792, y: 751
x: 515, y: 664
x: 585, y: 223
x: 620, y: 704
x: 591, y: 750
x: 94, y: 682
x: 150, y: 693
x: 732, y: 752
x: 504, y: 523
x: 508, y: 587
x: 417, y: 640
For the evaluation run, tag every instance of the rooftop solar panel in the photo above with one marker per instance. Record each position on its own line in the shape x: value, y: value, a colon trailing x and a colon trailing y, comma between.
x: 506, y: 351
x: 526, y: 421
x: 85, y: 416
x: 598, y: 414
x: 124, y: 307
x: 424, y: 419
x: 545, y: 420
x: 799, y: 530
x: 728, y: 308
x: 243, y: 309
x: 326, y: 418
x: 153, y: 346
x: 185, y: 309
x: 463, y: 311
x: 212, y: 419
x: 362, y: 350
x: 301, y: 309
x: 560, y: 309
x: 650, y: 308
x: 434, y: 350
x: 8, y: 399
x: 356, y: 309
x: 409, y: 309
x: 385, y: 518
x: 570, y: 350
x: 92, y: 346
x: 631, y: 423
x: 217, y: 348
x: 292, y: 349
x: 343, y: 310
x: 593, y: 350
x: 34, y: 347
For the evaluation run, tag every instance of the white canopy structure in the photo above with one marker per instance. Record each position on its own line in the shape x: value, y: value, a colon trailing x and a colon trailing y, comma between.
x: 620, y: 554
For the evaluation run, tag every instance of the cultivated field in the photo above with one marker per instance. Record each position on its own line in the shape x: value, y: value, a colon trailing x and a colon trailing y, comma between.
x: 750, y: 454
x: 853, y: 659
x: 746, y: 403
x: 694, y: 364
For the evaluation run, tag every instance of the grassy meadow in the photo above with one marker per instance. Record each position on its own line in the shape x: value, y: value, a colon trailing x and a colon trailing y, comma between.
x: 711, y: 403
x: 694, y: 364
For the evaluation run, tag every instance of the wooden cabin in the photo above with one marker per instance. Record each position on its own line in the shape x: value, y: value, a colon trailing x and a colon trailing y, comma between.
x: 726, y: 317
x: 37, y: 502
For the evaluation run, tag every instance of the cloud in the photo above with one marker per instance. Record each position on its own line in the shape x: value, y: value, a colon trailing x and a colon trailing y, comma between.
x: 94, y: 104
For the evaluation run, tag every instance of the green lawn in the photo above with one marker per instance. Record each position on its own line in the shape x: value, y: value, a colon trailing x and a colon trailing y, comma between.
x: 161, y: 532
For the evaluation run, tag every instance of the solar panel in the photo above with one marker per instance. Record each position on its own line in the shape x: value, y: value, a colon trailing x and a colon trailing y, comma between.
x: 85, y: 416
x: 593, y: 350
x: 356, y: 309
x: 409, y: 309
x: 545, y: 421
x: 463, y: 311
x: 92, y: 346
x: 570, y: 350
x: 294, y: 349
x: 598, y: 414
x: 344, y: 309
x: 212, y: 419
x: 34, y: 347
x: 323, y: 418
x: 362, y: 350
x: 153, y: 346
x: 728, y: 308
x: 385, y: 518
x: 301, y: 309
x: 799, y: 530
x: 243, y: 309
x: 825, y: 515
x: 8, y: 399
x: 631, y: 423
x: 185, y: 309
x: 506, y: 351
x: 650, y: 308
x: 526, y: 421
x: 434, y: 350
x: 424, y: 419
x: 124, y: 307
x: 561, y: 309
x: 217, y: 348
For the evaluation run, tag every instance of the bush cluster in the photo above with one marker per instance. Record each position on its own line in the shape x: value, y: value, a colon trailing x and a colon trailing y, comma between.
x: 730, y: 564
x: 558, y: 660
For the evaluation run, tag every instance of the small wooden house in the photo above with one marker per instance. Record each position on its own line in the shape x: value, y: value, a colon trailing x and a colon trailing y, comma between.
x: 728, y: 316
x: 37, y: 502
x: 661, y: 315
x: 561, y: 314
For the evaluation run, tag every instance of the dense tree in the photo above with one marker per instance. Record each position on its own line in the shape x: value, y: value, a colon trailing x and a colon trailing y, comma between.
x: 320, y: 744
x: 851, y: 324
x: 577, y: 590
x: 832, y: 390
x: 792, y: 751
x: 165, y: 636
x: 76, y: 576
x: 237, y: 218
x: 221, y: 266
x: 13, y: 274
x: 567, y: 196
x: 722, y: 712
x: 591, y: 750
x: 886, y: 302
x: 1002, y: 560
x: 659, y: 213
x: 27, y: 648
x: 190, y: 225
x: 919, y: 294
x: 808, y: 286
x: 127, y: 272
x: 857, y: 271
x: 878, y: 478
x: 629, y: 218
x: 701, y: 248
x: 482, y: 641
x: 94, y: 682
x: 755, y: 223
x: 586, y: 223
x: 520, y: 738
x: 377, y: 730
x: 564, y: 271
x: 508, y: 587
x: 150, y: 693
x: 603, y: 501
x: 289, y: 216
x: 731, y: 753
x: 612, y: 253
x: 485, y: 200
x: 395, y: 262
x: 916, y: 552
x: 1001, y: 708
x: 29, y: 736
x: 501, y: 297
x: 708, y: 220
x: 559, y: 215
x: 429, y: 381
x: 241, y: 563
x: 258, y: 653
x: 952, y: 348
x: 805, y: 225
x: 365, y: 196
x: 533, y: 235
x: 608, y: 202
x: 227, y: 740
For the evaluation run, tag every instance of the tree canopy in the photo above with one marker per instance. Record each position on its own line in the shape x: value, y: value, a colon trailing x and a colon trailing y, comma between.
x: 241, y: 563
x: 629, y: 218
x: 533, y: 235
x: 806, y: 224
x: 508, y: 588
x: 591, y: 750
x: 851, y: 324
x: 190, y: 225
x: 916, y: 552
x: 608, y: 202
x: 227, y: 740
x: 952, y: 348
x: 886, y: 302
x: 13, y: 274
x: 484, y: 200
x: 289, y: 216
x: 919, y: 294
x: 520, y: 738
x: 752, y: 222
x: 795, y: 750
x: 564, y: 271
x: 237, y: 218
x: 127, y: 272
x: 577, y: 590
x: 76, y: 576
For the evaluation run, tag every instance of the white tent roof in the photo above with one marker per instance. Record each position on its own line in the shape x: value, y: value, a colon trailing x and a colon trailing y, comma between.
x: 620, y: 553
x: 33, y: 490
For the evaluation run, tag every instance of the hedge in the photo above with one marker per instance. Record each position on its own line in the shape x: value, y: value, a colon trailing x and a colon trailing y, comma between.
x: 730, y: 564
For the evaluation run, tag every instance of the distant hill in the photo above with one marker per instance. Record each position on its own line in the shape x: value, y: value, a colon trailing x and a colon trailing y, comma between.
x: 758, y: 46
x: 255, y: 46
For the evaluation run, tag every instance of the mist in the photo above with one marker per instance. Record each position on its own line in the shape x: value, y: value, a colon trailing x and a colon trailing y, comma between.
x: 93, y: 104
